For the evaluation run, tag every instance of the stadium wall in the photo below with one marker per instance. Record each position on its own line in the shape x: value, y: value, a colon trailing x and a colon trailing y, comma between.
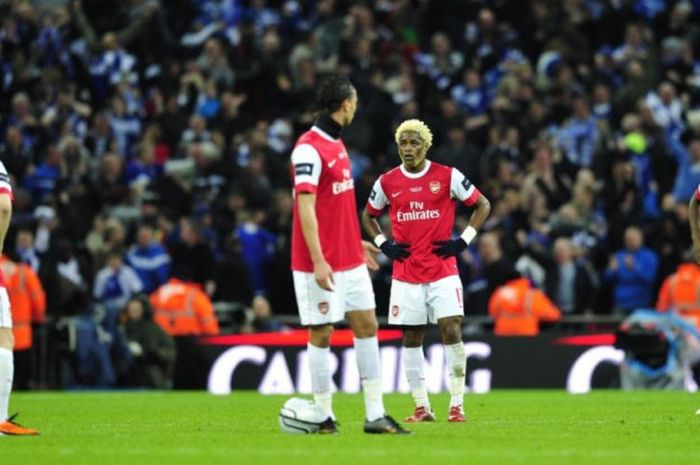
x: 275, y: 363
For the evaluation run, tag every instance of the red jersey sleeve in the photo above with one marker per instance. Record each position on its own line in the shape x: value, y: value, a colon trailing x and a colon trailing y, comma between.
x: 462, y: 189
x: 5, y: 186
x: 377, y: 201
x: 306, y: 169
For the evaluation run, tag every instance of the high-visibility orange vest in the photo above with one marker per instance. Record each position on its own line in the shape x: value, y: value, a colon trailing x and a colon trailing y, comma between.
x: 680, y: 292
x: 517, y: 309
x: 27, y: 300
x: 182, y: 308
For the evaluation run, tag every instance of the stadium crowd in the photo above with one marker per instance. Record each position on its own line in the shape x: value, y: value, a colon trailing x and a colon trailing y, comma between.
x: 148, y: 142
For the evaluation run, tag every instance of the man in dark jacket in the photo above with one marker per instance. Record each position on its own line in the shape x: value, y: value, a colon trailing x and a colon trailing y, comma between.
x: 570, y: 283
x: 152, y: 349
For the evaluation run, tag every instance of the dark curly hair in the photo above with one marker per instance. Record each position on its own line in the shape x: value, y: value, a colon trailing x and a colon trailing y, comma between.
x: 332, y: 92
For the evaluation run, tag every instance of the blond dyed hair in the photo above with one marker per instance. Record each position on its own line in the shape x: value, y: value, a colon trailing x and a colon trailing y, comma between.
x: 417, y: 126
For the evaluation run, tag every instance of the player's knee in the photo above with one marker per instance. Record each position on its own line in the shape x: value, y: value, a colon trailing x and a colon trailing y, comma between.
x: 367, y: 330
x: 320, y: 336
x: 412, y: 339
x: 367, y: 327
x: 7, y: 339
x: 451, y: 332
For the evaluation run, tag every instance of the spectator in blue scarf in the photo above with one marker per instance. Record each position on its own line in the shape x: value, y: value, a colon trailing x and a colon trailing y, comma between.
x: 114, y: 285
x: 149, y: 259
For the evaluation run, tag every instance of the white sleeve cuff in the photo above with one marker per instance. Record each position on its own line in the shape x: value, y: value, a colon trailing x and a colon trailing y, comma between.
x: 469, y: 234
x: 379, y: 239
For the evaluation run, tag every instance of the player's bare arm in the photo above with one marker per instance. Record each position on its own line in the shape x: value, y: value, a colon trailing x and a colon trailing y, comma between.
x: 482, y: 209
x: 371, y: 225
x: 5, y: 217
x: 323, y: 272
x: 694, y: 226
x: 371, y: 252
x: 394, y: 250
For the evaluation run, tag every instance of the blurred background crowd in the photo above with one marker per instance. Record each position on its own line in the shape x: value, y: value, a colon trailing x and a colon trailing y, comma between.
x: 148, y: 144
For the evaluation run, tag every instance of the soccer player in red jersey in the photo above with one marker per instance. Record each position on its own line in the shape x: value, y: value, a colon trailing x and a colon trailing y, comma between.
x: 7, y: 370
x: 421, y: 197
x: 331, y: 279
x: 694, y: 220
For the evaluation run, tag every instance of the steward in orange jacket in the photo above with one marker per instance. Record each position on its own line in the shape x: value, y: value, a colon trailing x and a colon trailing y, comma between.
x: 27, y: 300
x: 517, y: 309
x: 181, y: 308
x: 680, y: 292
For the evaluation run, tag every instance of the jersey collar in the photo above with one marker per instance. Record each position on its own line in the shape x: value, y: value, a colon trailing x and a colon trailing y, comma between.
x: 329, y: 126
x: 417, y: 175
x: 323, y: 133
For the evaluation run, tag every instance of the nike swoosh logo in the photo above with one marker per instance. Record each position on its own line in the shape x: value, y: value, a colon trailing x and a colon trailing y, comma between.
x: 331, y: 164
x: 395, y: 194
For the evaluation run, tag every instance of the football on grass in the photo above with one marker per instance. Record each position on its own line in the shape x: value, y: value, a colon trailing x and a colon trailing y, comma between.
x: 301, y: 416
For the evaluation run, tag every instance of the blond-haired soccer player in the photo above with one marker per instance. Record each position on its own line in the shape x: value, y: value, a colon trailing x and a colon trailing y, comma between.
x: 7, y: 369
x: 421, y: 197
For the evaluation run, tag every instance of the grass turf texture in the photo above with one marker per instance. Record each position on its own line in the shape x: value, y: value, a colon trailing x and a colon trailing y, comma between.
x: 504, y: 427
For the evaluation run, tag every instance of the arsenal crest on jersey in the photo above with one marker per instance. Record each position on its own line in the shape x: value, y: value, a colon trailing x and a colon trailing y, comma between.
x: 323, y: 307
x: 395, y: 310
x: 434, y: 187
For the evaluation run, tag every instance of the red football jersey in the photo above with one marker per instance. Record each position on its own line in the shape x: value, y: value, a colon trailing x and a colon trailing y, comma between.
x: 320, y: 165
x: 422, y: 210
x: 697, y: 192
x: 6, y: 189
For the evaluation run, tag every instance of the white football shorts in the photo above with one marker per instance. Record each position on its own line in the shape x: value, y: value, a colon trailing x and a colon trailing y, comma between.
x: 5, y: 315
x: 353, y: 291
x: 419, y: 304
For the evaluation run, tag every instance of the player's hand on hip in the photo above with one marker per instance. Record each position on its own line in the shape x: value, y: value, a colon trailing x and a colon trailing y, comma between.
x: 324, y: 275
x: 395, y: 250
x: 451, y: 248
x: 370, y: 255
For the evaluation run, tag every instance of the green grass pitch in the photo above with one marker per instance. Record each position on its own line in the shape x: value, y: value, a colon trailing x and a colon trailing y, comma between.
x: 504, y: 427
